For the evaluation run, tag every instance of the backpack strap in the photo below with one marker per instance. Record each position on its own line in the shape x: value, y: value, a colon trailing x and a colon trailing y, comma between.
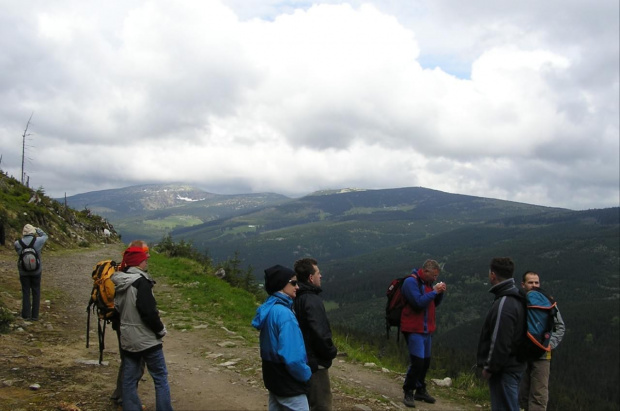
x: 29, y: 245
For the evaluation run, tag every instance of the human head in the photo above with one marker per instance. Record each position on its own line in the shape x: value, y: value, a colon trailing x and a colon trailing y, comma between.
x: 430, y: 270
x: 29, y: 230
x: 530, y: 281
x: 308, y: 271
x: 277, y: 278
x: 136, y: 256
x: 135, y: 244
x: 500, y: 269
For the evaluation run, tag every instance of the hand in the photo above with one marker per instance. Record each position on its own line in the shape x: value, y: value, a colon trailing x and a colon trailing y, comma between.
x: 440, y: 287
x: 486, y: 374
x: 162, y: 333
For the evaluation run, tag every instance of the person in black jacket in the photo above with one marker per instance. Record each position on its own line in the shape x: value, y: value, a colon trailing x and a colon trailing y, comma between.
x: 502, y: 334
x: 316, y: 331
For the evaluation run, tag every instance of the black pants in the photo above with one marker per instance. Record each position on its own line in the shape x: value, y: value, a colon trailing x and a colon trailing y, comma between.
x: 31, y: 286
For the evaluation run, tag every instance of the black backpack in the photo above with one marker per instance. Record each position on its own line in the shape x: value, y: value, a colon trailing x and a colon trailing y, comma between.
x: 28, y: 257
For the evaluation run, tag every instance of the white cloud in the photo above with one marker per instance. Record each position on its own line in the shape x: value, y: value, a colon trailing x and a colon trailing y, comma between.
x: 511, y: 102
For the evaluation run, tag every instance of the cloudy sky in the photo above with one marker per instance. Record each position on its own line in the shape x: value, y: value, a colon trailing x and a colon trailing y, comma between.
x: 503, y: 99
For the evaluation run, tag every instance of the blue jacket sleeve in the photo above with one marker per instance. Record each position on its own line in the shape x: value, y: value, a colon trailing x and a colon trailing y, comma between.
x: 292, y: 350
x: 415, y: 295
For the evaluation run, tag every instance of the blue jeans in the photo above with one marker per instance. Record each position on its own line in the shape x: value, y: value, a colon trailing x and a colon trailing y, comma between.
x: 132, y: 372
x: 504, y: 387
x: 31, y: 284
x: 296, y: 403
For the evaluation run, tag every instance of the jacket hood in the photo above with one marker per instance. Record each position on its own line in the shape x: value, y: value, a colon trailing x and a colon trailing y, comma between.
x: 123, y: 280
x: 263, y: 311
x: 506, y: 287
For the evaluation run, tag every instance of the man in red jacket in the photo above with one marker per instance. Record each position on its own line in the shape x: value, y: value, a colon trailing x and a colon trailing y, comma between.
x: 417, y: 324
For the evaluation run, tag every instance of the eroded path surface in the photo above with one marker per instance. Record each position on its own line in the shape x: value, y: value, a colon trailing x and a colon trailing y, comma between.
x: 210, y: 368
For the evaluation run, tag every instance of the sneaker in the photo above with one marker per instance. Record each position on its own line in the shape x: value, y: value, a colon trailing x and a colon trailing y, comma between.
x: 408, y: 400
x: 423, y: 395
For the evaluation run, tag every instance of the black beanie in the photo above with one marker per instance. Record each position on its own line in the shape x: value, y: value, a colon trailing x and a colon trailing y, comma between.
x: 277, y: 277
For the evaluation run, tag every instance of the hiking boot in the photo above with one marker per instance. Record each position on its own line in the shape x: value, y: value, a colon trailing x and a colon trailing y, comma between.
x: 422, y: 395
x: 408, y: 400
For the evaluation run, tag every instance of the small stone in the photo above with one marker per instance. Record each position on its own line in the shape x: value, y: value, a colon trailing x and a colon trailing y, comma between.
x: 370, y: 364
x: 35, y: 387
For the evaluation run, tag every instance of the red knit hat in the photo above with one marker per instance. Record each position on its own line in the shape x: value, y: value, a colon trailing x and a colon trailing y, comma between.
x: 133, y: 256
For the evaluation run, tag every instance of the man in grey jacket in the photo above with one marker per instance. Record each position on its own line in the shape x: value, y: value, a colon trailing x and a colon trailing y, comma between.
x: 534, y: 387
x: 141, y: 330
x: 31, y: 280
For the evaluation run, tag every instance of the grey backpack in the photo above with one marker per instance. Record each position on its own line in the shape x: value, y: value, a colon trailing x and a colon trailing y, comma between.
x: 28, y: 257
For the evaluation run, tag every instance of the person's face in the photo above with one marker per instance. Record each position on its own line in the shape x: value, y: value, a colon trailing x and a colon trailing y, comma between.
x: 291, y: 287
x: 492, y: 278
x: 315, y: 278
x: 531, y: 281
x: 144, y: 265
x: 430, y: 276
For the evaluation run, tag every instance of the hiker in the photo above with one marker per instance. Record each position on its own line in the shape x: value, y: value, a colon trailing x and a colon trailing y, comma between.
x: 284, y: 362
x: 31, y: 280
x: 501, y: 336
x: 418, y: 325
x: 316, y: 331
x: 534, y: 387
x: 117, y: 395
x: 142, y: 330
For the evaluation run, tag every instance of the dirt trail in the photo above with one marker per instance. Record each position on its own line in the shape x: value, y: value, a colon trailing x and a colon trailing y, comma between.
x: 204, y: 373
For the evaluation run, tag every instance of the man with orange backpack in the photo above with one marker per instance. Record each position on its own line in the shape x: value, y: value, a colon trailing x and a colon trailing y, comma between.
x: 142, y: 330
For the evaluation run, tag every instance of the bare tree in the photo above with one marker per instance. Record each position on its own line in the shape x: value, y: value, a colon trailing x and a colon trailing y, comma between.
x: 24, y: 145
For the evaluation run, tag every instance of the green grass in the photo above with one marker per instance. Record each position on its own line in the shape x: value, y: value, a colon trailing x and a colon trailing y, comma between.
x: 204, y: 297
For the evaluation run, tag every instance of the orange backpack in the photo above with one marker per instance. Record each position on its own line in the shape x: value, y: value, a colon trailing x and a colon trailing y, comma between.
x: 102, y: 300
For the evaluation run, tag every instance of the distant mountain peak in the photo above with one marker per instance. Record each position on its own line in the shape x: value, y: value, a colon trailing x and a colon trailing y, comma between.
x: 336, y: 191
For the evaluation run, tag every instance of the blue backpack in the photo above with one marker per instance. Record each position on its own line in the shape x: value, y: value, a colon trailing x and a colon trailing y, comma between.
x: 541, y: 310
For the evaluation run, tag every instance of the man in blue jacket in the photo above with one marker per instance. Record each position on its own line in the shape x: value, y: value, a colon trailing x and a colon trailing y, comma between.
x: 417, y: 323
x: 502, y: 334
x: 31, y: 280
x: 285, y: 369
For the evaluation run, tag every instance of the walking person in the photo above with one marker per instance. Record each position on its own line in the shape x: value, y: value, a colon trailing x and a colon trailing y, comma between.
x: 284, y: 362
x: 316, y: 331
x: 142, y: 330
x: 501, y: 336
x: 30, y: 277
x: 534, y: 387
x: 418, y: 325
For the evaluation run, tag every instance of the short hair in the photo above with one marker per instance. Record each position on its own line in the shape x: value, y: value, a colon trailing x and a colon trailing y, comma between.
x: 304, y: 268
x: 503, y: 267
x: 431, y: 265
x: 529, y: 272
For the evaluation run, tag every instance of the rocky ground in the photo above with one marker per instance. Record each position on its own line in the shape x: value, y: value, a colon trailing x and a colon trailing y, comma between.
x: 45, y: 365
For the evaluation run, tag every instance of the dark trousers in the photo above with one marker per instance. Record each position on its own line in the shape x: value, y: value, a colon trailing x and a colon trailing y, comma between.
x: 320, y: 392
x: 31, y: 286
x: 416, y: 374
